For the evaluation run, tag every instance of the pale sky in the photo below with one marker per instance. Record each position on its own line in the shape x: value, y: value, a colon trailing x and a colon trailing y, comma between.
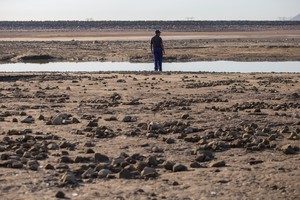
x: 147, y: 10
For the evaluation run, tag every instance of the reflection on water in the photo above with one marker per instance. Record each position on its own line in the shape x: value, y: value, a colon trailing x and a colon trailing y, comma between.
x: 215, y: 66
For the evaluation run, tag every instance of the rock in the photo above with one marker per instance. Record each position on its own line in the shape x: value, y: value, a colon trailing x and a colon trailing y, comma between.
x: 93, y: 123
x: 41, y: 117
x: 129, y: 119
x: 185, y: 116
x: 49, y: 167
x: 168, y: 165
x: 68, y: 178
x: 170, y: 141
x: 59, y: 119
x: 15, y: 120
x: 28, y: 120
x: 195, y: 165
x: 60, y: 195
x: 217, y: 164
x: 289, y: 149
x: 151, y: 161
x: 98, y: 157
x: 103, y: 173
x: 179, y: 168
x: 140, y: 165
x: 53, y: 146
x: 149, y: 172
x: 88, y: 173
x: 33, y: 165
x: 17, y: 165
x: 294, y: 136
x: 125, y: 173
x: 66, y: 159
x: 89, y: 151
x: 75, y: 121
x: 152, y: 126
x: 272, y: 137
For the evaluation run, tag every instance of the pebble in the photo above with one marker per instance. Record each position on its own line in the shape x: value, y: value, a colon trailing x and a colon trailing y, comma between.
x: 103, y: 173
x: 68, y: 178
x: 33, y: 165
x: 289, y: 149
x: 149, y: 172
x: 98, y: 157
x: 218, y: 164
x: 60, y: 195
x: 168, y: 165
x: 179, y: 168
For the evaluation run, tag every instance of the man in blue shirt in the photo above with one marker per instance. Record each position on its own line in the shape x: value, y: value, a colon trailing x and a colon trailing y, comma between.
x: 157, y: 48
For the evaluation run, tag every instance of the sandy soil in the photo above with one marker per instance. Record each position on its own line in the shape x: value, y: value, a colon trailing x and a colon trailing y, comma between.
x: 18, y: 46
x: 149, y: 136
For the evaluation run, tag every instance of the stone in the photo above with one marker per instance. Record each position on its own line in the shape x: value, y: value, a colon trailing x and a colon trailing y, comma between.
x: 89, y: 151
x: 15, y: 120
x: 149, y: 172
x: 151, y: 161
x: 294, y: 136
x: 168, y: 165
x: 28, y: 120
x: 103, y: 173
x: 125, y: 174
x: 128, y: 119
x: 17, y: 165
x: 33, y: 165
x: 49, y: 167
x: 88, y: 173
x: 140, y: 165
x: 98, y: 157
x: 288, y: 149
x: 185, y: 116
x: 60, y: 195
x: 75, y: 121
x: 68, y: 178
x: 170, y: 141
x: 58, y: 120
x: 179, y: 168
x: 66, y: 159
x: 217, y: 164
x: 195, y: 165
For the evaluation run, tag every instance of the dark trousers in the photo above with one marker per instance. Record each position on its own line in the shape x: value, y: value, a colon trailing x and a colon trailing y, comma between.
x: 158, y: 56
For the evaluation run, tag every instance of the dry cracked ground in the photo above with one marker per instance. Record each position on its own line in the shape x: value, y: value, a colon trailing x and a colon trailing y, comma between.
x: 149, y: 136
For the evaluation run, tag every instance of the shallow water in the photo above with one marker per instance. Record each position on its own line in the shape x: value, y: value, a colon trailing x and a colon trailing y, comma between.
x: 212, y: 66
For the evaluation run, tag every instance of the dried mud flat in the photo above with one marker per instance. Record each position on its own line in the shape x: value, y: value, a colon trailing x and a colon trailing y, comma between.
x: 149, y: 136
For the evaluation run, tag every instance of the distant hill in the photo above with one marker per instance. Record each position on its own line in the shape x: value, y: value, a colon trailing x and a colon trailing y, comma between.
x: 297, y: 18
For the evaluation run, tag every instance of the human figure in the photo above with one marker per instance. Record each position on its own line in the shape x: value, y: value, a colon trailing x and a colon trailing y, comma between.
x: 157, y: 49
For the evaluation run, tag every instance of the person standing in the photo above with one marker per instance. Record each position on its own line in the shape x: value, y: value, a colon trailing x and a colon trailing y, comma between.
x: 157, y: 49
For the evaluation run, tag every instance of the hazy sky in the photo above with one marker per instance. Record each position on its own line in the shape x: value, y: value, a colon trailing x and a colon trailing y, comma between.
x: 148, y: 10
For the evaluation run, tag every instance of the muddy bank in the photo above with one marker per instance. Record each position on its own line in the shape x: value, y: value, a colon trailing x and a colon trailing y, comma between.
x: 139, y: 51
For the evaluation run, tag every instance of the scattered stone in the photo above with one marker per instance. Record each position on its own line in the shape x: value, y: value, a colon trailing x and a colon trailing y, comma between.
x: 98, y: 157
x: 68, y: 178
x: 168, y: 165
x: 88, y: 173
x: 195, y: 165
x: 185, y: 116
x: 294, y: 136
x: 28, y: 120
x: 129, y: 119
x: 179, y: 168
x: 17, y: 165
x: 59, y: 119
x: 125, y: 174
x: 66, y: 159
x: 289, y: 149
x: 103, y: 173
x: 33, y: 165
x: 15, y: 120
x: 217, y: 164
x: 149, y: 172
x: 49, y: 167
x: 60, y: 195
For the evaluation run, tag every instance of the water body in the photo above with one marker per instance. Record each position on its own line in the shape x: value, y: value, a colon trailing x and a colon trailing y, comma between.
x: 212, y: 66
